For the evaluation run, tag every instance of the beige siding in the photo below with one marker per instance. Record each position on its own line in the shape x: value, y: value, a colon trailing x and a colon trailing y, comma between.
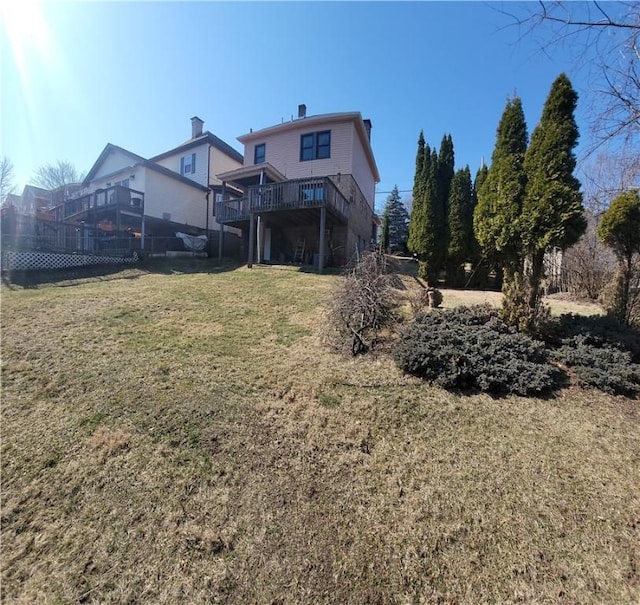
x: 283, y: 151
x: 172, y: 162
x: 362, y: 172
x: 219, y: 163
x: 186, y: 205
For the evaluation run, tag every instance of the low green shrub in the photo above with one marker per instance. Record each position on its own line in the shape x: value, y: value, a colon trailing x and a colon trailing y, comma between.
x: 601, y: 366
x: 597, y: 331
x: 472, y: 348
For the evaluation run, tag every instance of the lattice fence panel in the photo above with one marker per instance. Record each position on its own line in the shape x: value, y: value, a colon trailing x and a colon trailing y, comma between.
x: 42, y: 261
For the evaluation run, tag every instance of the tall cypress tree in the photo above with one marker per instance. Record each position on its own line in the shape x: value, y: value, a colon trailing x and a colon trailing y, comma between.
x: 460, y: 225
x: 500, y: 198
x: 434, y: 245
x: 552, y: 212
x: 480, y: 263
x: 446, y: 169
x: 417, y: 226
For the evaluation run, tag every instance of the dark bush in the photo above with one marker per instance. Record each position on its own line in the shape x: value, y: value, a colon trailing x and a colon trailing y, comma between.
x: 597, y: 331
x: 603, y: 367
x: 472, y: 348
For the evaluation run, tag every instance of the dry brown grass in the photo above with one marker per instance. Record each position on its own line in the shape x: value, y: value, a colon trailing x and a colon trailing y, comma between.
x: 185, y: 438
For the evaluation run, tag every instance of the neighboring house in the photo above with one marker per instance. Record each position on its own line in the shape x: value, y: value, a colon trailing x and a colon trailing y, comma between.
x: 126, y: 194
x: 34, y: 200
x: 12, y: 201
x: 201, y: 157
x: 308, y: 190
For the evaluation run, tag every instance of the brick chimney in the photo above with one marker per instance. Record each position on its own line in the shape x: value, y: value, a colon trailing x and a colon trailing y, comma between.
x: 196, y: 127
x: 302, y: 111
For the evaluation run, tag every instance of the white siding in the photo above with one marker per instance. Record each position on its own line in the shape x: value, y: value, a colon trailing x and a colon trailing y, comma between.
x: 172, y: 162
x: 101, y: 182
x: 116, y: 160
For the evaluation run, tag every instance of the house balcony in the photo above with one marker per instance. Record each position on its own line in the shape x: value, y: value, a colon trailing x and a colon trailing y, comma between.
x: 290, y: 197
x: 101, y: 202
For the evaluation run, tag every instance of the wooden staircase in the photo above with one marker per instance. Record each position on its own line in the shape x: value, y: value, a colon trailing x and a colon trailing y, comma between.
x: 298, y: 256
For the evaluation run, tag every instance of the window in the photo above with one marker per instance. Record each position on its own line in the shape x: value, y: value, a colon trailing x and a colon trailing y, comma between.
x: 188, y: 164
x: 217, y: 200
x: 315, y: 146
x: 259, y: 153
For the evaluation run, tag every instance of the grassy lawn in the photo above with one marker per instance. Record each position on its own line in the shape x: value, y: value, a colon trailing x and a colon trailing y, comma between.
x: 184, y: 437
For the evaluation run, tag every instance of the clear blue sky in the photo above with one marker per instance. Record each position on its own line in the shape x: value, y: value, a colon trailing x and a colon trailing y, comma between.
x: 76, y: 76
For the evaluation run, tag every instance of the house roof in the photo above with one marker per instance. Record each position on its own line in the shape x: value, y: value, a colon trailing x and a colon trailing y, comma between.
x: 12, y: 199
x: 36, y: 191
x: 138, y: 160
x: 109, y: 148
x: 250, y: 175
x: 319, y: 121
x: 205, y: 138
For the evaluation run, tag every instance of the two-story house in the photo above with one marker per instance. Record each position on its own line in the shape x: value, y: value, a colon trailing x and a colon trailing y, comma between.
x: 124, y: 193
x: 308, y: 189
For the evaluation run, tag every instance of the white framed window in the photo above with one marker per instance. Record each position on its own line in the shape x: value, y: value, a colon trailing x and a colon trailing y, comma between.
x: 188, y: 164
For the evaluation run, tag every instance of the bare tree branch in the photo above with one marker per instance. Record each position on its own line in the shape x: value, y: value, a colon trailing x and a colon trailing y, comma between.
x: 6, y: 179
x: 52, y: 176
x: 608, y: 52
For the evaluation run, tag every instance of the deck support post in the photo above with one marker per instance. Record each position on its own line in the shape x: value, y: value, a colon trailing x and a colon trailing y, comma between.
x: 218, y: 218
x: 259, y: 238
x: 142, y: 226
x: 252, y: 239
x: 323, y: 221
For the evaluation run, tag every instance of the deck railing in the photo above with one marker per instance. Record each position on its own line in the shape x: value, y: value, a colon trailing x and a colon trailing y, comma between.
x: 289, y: 195
x: 111, y: 197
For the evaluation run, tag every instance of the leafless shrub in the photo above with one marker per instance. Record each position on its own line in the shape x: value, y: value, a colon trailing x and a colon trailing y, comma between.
x: 588, y: 266
x: 418, y: 300
x: 361, y: 305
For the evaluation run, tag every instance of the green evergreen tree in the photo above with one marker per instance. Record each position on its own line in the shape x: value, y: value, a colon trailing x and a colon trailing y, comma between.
x: 384, y: 238
x: 460, y: 225
x: 444, y: 176
x: 620, y: 230
x: 397, y: 219
x: 419, y: 223
x: 481, y: 265
x: 481, y: 177
x: 416, y: 220
x: 552, y: 213
x: 434, y: 244
x: 500, y: 198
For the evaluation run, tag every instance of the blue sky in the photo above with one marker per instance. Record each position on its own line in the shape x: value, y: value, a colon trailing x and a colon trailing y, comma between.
x: 76, y: 76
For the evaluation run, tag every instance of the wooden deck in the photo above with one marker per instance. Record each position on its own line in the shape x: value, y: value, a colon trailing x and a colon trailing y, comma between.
x: 288, y: 196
